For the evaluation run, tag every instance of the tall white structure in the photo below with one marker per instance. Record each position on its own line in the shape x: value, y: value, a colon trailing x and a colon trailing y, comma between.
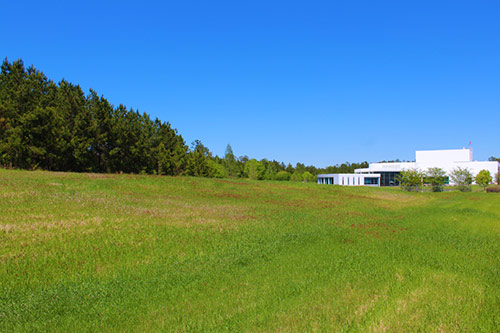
x: 448, y: 160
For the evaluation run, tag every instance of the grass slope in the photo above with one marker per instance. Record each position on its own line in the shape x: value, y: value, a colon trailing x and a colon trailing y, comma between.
x: 119, y: 252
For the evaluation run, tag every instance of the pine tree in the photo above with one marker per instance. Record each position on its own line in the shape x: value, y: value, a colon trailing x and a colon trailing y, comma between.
x: 197, y: 160
x: 230, y: 162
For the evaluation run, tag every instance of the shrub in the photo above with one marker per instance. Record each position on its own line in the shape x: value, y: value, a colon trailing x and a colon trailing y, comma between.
x: 308, y: 177
x: 493, y: 189
x: 282, y: 175
x: 296, y: 177
x: 216, y: 170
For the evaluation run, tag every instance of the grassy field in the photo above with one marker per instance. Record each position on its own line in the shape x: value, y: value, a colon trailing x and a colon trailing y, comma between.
x: 138, y: 253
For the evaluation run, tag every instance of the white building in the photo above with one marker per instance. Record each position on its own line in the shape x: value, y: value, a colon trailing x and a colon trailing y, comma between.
x: 350, y: 179
x: 387, y: 173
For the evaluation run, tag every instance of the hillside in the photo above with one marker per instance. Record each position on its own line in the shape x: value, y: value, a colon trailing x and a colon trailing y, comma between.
x: 115, y: 252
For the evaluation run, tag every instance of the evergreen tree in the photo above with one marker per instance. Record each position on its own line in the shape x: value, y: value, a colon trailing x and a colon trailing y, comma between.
x: 197, y: 160
x: 69, y: 104
x: 57, y: 127
x: 300, y: 168
x: 270, y: 172
x: 230, y: 162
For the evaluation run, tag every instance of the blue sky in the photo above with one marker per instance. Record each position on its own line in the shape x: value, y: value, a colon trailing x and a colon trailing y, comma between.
x: 313, y: 82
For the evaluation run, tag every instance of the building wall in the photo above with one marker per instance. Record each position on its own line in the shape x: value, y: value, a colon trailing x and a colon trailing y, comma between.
x: 443, y: 156
x: 346, y: 179
x: 448, y: 160
x: 474, y: 167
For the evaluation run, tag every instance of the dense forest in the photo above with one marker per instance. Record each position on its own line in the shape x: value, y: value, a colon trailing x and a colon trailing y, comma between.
x: 49, y: 126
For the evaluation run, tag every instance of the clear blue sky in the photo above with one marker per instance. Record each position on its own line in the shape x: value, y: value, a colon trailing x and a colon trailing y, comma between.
x: 313, y: 82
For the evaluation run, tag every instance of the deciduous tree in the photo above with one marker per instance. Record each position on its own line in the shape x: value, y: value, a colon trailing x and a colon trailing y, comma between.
x: 411, y: 180
x: 282, y: 176
x: 308, y: 177
x: 483, y: 178
x: 296, y: 176
x: 254, y: 169
x: 462, y: 178
x: 436, y: 177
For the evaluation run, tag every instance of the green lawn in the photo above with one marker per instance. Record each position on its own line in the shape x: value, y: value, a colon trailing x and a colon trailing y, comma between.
x: 94, y: 252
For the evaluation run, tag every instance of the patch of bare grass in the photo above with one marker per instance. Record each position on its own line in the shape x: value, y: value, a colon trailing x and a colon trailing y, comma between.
x: 186, y: 214
x: 391, y: 200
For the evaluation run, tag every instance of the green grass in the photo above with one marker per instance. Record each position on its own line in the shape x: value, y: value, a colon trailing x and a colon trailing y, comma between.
x: 139, y: 253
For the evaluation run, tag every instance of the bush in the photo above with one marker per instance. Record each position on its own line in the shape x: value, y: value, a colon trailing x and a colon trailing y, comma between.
x: 493, y: 189
x: 216, y: 170
x: 308, y: 177
x: 296, y: 177
x: 464, y: 188
x: 282, y: 175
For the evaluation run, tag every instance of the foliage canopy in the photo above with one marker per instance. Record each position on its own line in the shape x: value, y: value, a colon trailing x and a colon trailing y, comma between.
x: 462, y: 178
x: 411, y: 180
x: 437, y: 178
x: 483, y: 178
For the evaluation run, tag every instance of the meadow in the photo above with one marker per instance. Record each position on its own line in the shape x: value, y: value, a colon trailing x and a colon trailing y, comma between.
x: 93, y: 252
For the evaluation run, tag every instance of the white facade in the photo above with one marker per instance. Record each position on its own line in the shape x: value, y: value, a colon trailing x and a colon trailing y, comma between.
x: 443, y: 156
x: 349, y: 179
x: 448, y: 160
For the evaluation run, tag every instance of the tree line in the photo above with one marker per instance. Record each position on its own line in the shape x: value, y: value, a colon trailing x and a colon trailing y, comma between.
x: 56, y: 126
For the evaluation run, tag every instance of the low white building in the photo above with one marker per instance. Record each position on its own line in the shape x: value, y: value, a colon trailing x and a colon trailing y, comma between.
x: 448, y: 160
x: 350, y: 179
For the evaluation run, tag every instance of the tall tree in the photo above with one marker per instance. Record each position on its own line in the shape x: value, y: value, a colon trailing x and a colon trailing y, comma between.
x: 230, y: 162
x: 254, y: 169
x: 197, y: 160
x: 57, y: 127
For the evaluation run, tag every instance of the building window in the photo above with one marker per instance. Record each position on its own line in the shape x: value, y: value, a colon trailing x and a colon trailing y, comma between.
x: 371, y: 181
x: 389, y: 178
